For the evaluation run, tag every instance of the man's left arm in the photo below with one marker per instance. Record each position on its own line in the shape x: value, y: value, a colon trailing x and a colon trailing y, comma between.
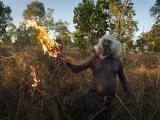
x: 123, y: 81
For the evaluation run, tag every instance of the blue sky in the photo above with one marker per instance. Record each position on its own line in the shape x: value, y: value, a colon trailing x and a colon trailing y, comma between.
x: 63, y: 9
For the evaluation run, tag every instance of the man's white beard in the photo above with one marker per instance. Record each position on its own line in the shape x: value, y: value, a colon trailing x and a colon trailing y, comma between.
x: 100, y: 54
x: 102, y: 57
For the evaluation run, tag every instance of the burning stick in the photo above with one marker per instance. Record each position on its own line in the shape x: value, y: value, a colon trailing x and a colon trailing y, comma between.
x: 49, y: 46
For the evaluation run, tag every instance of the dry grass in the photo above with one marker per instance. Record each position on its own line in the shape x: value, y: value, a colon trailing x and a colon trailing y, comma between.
x: 62, y: 95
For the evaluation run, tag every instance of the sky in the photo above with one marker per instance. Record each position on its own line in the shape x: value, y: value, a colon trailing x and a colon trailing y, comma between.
x: 63, y: 10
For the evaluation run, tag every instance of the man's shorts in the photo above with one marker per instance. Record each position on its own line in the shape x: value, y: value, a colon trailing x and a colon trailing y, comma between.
x: 96, y: 103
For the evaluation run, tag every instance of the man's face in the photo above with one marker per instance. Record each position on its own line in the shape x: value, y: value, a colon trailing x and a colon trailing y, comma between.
x: 106, y: 48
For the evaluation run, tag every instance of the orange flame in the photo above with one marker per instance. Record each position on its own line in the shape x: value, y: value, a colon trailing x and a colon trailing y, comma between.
x: 49, y: 46
x: 34, y: 77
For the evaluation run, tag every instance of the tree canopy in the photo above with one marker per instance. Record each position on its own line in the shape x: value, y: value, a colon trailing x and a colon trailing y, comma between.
x: 34, y: 9
x: 92, y: 21
x: 155, y: 11
x: 5, y: 18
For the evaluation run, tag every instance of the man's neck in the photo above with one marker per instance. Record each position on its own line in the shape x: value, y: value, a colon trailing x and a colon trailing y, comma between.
x: 106, y: 57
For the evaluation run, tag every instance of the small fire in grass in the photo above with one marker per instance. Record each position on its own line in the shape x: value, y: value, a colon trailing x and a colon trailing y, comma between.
x: 34, y: 77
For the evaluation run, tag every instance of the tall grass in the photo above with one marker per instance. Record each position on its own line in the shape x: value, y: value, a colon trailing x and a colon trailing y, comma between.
x: 62, y: 95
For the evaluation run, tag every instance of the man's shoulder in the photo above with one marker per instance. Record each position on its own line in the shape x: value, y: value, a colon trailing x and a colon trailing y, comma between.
x: 117, y: 59
x: 92, y: 57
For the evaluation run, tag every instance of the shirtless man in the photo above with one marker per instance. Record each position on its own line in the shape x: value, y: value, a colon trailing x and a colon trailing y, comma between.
x: 104, y: 65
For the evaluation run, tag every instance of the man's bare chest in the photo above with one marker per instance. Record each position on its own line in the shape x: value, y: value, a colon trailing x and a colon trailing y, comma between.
x: 107, y: 66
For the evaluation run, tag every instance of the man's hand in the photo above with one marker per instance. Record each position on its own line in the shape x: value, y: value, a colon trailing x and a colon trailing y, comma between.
x: 61, y: 59
x: 108, y: 100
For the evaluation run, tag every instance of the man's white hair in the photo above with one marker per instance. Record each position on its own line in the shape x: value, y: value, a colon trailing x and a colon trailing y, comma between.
x: 115, y: 46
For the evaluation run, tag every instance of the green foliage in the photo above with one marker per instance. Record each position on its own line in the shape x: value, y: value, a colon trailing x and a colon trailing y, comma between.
x: 62, y: 33
x: 37, y: 10
x: 9, y: 35
x: 33, y: 33
x: 153, y: 38
x: 129, y: 46
x: 7, y: 39
x: 5, y: 18
x: 140, y: 43
x: 34, y: 9
x: 92, y: 21
x: 155, y: 11
x: 48, y: 21
x: 122, y: 12
x: 22, y: 36
x: 26, y: 36
x: 80, y: 42
x: 150, y: 39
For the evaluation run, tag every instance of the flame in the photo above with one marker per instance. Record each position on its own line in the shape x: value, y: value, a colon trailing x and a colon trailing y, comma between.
x: 34, y: 77
x: 48, y: 45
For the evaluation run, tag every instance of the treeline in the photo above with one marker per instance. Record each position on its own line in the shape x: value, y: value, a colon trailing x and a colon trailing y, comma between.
x: 92, y: 20
x: 23, y: 35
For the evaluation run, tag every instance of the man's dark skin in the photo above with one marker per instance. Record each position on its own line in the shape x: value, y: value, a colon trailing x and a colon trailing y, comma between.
x: 104, y: 72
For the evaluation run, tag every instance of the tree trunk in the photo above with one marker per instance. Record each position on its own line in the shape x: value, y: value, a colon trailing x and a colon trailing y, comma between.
x: 119, y: 30
x: 4, y: 48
